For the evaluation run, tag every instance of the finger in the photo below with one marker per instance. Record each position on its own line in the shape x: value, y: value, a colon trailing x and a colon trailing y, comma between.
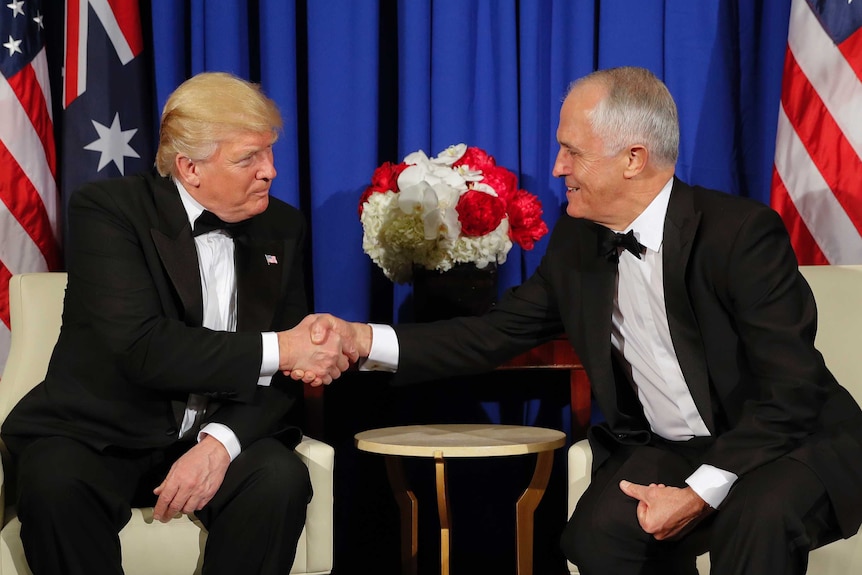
x: 193, y: 504
x: 642, y: 515
x: 633, y: 489
x: 343, y: 364
x: 160, y: 511
x: 319, y: 330
x: 351, y: 352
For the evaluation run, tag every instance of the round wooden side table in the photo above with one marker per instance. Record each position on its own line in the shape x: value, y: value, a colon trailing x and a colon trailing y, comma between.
x: 461, y: 440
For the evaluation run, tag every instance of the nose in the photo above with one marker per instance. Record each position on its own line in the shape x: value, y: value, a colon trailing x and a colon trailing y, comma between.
x: 267, y: 171
x: 561, y: 167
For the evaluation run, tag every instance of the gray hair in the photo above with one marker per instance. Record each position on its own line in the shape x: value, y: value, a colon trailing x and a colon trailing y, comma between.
x: 638, y: 109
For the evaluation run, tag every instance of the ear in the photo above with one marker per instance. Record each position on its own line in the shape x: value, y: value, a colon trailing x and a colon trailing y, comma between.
x: 636, y: 160
x: 187, y: 171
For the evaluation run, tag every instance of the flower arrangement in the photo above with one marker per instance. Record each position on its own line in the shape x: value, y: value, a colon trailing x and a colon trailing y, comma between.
x: 458, y: 207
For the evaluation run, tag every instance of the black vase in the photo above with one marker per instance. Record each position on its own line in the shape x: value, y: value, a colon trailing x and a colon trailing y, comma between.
x: 464, y: 290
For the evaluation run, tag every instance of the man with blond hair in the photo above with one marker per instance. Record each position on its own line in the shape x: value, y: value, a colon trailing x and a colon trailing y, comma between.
x: 184, y: 312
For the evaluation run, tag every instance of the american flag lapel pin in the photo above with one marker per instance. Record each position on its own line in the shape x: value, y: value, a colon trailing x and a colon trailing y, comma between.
x: 271, y: 260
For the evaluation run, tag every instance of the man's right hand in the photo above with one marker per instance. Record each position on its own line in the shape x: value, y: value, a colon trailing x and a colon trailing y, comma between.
x: 355, y: 339
x: 313, y: 353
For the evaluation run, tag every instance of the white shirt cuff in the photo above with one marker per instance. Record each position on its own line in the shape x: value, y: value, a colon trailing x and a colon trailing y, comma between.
x: 383, y: 355
x: 269, y: 361
x: 224, y: 435
x: 711, y: 484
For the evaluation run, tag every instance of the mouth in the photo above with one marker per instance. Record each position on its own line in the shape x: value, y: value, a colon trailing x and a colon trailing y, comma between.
x: 572, y: 189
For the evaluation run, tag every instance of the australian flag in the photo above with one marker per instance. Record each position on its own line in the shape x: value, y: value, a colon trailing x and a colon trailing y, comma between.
x: 108, y: 111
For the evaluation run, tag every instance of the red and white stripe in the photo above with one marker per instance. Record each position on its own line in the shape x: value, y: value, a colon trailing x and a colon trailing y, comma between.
x: 817, y: 178
x: 29, y: 233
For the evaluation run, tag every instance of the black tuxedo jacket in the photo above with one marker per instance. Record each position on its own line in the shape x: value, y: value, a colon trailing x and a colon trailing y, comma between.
x: 742, y: 320
x: 132, y: 348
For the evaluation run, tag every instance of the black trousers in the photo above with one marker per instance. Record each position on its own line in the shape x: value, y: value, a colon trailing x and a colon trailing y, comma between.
x: 769, y: 522
x: 73, y: 501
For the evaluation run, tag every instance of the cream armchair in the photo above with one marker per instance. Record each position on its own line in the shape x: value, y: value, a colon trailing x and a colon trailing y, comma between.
x: 838, y: 292
x: 36, y: 302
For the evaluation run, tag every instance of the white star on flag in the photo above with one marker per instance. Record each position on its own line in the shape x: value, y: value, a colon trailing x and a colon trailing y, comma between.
x: 38, y: 19
x: 113, y: 143
x: 16, y: 7
x: 13, y: 45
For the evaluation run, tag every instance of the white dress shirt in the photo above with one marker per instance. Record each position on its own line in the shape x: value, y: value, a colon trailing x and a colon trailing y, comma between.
x: 218, y: 277
x: 640, y: 334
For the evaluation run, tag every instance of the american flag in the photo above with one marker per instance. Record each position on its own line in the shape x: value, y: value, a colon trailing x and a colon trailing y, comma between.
x: 817, y: 179
x: 28, y: 186
x: 108, y: 114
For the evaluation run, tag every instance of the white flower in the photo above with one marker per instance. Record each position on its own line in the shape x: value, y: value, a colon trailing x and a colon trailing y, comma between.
x: 419, y: 224
x: 451, y: 154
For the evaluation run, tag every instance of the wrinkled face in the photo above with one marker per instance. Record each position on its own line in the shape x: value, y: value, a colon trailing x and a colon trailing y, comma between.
x: 593, y: 179
x: 234, y: 182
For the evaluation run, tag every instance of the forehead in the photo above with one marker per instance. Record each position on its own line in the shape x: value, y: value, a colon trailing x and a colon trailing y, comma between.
x: 239, y: 141
x: 574, y: 123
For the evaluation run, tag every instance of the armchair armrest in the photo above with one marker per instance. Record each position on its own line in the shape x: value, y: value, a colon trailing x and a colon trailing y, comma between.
x: 580, y: 462
x: 320, y: 460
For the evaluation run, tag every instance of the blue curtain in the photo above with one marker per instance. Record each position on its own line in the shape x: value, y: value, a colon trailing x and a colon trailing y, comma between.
x: 360, y: 82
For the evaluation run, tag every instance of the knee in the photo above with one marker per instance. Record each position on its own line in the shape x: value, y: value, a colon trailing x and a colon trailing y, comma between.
x: 281, y: 476
x: 54, y: 497
x: 574, y: 547
x: 587, y: 533
x: 50, y: 491
x: 604, y: 534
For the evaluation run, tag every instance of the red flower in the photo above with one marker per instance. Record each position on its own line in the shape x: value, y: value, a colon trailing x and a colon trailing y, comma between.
x: 502, y: 180
x: 384, y: 179
x: 476, y: 159
x: 479, y: 213
x: 525, y: 219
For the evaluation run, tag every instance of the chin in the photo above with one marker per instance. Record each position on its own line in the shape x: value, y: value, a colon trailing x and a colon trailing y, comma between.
x: 575, y: 209
x: 260, y: 206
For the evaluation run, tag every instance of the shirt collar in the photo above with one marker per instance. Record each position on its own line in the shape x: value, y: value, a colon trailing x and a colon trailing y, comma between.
x: 649, y: 225
x: 191, y: 205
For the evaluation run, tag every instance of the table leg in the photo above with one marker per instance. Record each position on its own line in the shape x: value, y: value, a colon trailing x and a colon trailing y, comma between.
x: 444, y: 511
x: 409, y: 507
x: 526, y: 506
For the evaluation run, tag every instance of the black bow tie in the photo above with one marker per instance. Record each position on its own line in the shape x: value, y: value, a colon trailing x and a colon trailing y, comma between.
x: 208, y: 222
x: 611, y: 242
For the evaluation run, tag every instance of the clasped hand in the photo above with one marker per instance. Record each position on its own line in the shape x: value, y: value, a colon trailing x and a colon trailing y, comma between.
x: 321, y: 347
x: 666, y: 512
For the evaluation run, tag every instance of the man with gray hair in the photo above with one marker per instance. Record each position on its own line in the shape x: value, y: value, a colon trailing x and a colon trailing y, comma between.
x: 185, y: 312
x: 724, y: 431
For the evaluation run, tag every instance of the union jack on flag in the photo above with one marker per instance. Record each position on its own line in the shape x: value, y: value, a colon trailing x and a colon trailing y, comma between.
x: 817, y: 178
x: 29, y: 235
x: 107, y: 93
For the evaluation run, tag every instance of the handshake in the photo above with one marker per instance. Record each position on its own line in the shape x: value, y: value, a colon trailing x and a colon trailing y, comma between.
x: 321, y: 347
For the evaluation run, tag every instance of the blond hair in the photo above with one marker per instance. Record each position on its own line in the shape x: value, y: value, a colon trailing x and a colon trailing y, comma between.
x: 207, y: 109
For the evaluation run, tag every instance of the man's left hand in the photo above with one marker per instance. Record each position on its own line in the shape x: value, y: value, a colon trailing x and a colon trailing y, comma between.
x: 192, y: 480
x: 666, y: 512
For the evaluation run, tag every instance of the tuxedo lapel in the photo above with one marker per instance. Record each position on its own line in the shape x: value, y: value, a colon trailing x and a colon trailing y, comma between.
x: 259, y: 272
x: 597, y: 286
x: 176, y: 247
x: 680, y: 227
